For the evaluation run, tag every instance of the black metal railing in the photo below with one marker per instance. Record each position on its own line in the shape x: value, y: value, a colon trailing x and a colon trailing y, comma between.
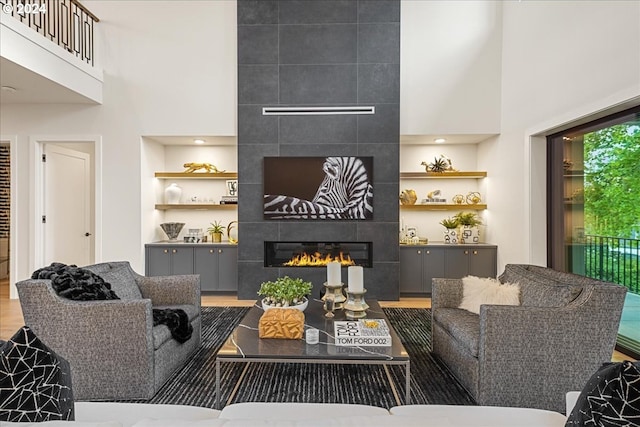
x: 65, y: 22
x: 613, y: 259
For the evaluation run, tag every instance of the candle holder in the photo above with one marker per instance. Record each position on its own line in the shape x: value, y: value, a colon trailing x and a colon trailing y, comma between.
x: 329, y: 306
x: 335, y: 292
x: 355, y: 307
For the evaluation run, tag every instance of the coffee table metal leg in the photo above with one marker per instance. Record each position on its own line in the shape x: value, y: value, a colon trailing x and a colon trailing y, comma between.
x: 218, y: 384
x: 408, y: 384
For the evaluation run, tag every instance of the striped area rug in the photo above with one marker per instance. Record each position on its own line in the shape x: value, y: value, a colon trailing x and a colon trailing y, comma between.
x: 376, y: 385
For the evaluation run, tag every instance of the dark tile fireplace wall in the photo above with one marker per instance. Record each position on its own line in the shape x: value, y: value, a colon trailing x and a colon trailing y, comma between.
x: 318, y: 53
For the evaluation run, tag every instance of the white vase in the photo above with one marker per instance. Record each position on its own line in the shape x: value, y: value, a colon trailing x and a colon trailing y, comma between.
x: 451, y: 236
x: 468, y: 234
x: 172, y: 194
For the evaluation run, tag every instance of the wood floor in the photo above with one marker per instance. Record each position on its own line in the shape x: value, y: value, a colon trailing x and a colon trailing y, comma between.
x: 11, y: 314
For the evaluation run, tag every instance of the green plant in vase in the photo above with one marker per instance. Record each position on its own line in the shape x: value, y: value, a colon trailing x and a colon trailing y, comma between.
x: 468, y: 223
x: 285, y: 292
x: 449, y: 223
x: 215, y: 231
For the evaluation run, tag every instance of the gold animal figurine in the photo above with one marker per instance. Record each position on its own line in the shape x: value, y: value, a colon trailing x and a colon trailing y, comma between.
x: 192, y: 167
x: 408, y: 197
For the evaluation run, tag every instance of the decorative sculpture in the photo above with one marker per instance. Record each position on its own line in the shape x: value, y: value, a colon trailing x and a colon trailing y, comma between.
x: 192, y: 167
x: 458, y: 199
x: 473, y: 198
x: 439, y: 165
x: 408, y: 197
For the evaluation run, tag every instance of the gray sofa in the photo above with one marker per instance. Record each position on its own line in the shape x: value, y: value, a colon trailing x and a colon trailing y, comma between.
x: 113, y: 348
x: 528, y: 355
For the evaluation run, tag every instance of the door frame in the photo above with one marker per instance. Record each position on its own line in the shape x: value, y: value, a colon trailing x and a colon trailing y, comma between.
x: 36, y: 190
x: 13, y: 220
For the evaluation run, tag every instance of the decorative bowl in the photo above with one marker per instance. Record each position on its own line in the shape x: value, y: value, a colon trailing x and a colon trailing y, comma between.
x: 302, y: 306
x: 172, y: 229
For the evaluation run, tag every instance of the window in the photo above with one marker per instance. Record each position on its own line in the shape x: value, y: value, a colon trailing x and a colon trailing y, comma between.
x: 594, y: 208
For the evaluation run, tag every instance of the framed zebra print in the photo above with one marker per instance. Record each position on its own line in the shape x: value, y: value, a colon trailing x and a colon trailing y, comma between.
x: 318, y: 188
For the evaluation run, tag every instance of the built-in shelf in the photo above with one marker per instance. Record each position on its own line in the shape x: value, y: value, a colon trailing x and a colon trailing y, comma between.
x: 444, y: 207
x: 443, y: 175
x: 196, y: 206
x: 197, y: 175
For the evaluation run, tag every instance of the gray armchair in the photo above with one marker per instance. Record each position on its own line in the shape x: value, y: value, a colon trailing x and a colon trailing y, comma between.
x: 113, y: 348
x: 532, y: 354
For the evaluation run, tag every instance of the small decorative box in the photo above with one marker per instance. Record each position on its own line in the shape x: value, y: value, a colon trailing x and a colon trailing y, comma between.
x: 287, y: 323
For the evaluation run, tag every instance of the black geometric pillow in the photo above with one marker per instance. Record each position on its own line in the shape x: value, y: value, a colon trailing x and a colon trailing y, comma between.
x: 611, y: 398
x: 35, y: 383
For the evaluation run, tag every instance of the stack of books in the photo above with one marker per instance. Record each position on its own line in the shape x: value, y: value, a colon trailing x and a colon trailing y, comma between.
x: 362, y: 333
x: 229, y: 200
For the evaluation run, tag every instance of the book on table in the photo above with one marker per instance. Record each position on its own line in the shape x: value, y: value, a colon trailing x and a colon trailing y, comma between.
x: 362, y: 333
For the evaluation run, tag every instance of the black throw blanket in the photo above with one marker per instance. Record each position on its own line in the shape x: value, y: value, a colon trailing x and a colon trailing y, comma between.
x: 75, y: 283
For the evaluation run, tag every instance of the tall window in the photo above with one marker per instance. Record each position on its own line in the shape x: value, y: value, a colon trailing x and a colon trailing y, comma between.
x: 594, y: 208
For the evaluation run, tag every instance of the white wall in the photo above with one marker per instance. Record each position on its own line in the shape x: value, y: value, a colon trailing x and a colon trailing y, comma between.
x: 450, y: 67
x: 561, y: 61
x: 170, y: 69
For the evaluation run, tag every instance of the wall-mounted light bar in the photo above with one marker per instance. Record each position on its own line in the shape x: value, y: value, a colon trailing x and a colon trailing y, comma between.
x: 306, y: 111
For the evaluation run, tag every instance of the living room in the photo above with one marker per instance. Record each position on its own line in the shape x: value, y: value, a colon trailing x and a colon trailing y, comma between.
x: 493, y: 78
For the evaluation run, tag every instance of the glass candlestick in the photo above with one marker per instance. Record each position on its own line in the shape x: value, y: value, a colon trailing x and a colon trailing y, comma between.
x: 355, y: 307
x: 329, y: 305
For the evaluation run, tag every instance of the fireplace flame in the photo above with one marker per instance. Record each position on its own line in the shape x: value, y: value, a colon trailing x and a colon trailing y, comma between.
x: 317, y: 260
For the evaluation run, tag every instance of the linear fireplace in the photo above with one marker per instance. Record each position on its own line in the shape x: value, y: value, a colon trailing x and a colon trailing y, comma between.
x: 317, y: 254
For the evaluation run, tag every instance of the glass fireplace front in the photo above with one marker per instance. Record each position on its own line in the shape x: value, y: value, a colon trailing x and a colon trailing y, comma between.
x: 317, y: 254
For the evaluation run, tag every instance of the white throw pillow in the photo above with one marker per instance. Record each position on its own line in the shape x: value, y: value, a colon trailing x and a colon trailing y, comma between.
x: 477, y: 291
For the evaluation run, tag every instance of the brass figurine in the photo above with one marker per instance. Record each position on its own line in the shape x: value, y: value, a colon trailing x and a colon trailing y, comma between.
x: 192, y: 167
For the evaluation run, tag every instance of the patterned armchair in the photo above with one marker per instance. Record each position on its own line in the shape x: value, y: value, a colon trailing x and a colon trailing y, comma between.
x: 532, y: 354
x: 114, y: 350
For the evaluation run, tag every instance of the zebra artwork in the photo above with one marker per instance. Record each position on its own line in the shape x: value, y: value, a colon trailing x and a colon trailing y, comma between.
x: 344, y: 193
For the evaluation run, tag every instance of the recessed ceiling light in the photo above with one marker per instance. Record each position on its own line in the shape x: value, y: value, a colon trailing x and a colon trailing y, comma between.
x: 439, y: 140
x: 198, y: 141
x: 9, y: 89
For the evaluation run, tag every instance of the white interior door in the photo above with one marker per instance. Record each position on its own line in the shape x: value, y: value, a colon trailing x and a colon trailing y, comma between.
x: 67, y: 206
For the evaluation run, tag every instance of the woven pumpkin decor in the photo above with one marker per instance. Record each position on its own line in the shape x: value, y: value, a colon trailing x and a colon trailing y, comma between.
x: 287, y: 323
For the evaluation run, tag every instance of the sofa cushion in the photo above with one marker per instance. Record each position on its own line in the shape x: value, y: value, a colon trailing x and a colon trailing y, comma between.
x: 478, y: 291
x: 462, y: 325
x: 35, y: 382
x: 610, y: 398
x: 540, y: 286
x: 121, y: 278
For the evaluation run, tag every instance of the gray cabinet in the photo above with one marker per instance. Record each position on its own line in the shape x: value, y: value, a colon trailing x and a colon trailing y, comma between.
x: 419, y: 264
x: 217, y: 267
x: 169, y: 260
x: 217, y: 264
x: 471, y: 260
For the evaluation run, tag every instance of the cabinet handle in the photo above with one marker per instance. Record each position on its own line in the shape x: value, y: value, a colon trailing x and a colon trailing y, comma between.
x: 219, y: 251
x: 166, y: 251
x: 428, y: 252
x: 475, y: 252
x: 210, y: 251
x: 419, y: 252
x: 174, y: 251
x: 466, y: 252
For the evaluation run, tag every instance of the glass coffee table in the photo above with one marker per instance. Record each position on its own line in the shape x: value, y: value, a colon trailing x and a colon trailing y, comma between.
x: 244, y: 345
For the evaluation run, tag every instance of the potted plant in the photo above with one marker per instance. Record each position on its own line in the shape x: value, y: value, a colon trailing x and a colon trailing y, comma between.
x: 450, y: 233
x: 215, y: 231
x: 285, y: 292
x: 468, y: 230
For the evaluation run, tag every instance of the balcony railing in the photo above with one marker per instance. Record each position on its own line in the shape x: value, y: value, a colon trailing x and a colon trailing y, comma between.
x: 65, y: 22
x: 613, y: 259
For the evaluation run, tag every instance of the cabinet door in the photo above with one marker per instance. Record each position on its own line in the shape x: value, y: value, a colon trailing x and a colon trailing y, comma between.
x: 206, y: 265
x: 228, y: 268
x: 482, y: 262
x: 410, y: 269
x: 181, y: 260
x: 456, y: 262
x: 433, y: 266
x: 158, y: 261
